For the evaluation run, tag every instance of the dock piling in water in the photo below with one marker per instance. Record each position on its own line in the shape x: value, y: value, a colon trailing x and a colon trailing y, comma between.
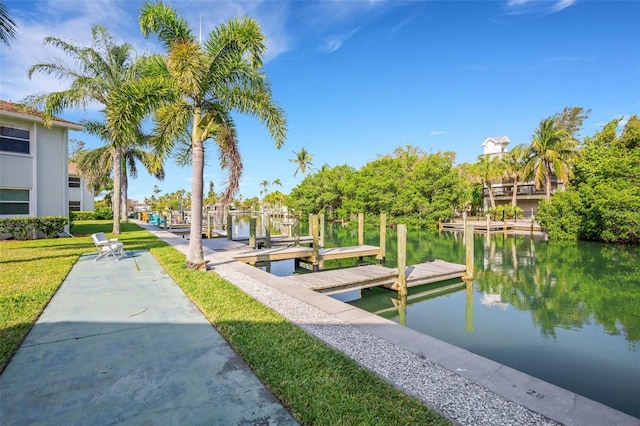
x: 468, y: 241
x: 402, y: 260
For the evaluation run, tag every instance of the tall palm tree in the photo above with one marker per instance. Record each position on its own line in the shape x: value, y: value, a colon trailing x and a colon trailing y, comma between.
x: 487, y: 170
x: 96, y: 74
x: 95, y: 164
x: 552, y: 152
x: 513, y: 168
x: 8, y: 32
x: 303, y: 159
x: 201, y: 85
x: 265, y: 185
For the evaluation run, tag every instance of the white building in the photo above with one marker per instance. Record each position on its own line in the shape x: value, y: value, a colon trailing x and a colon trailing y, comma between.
x: 495, y: 146
x: 80, y: 197
x: 34, y: 178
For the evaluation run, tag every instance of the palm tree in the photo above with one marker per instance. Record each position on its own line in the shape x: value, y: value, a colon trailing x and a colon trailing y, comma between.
x: 551, y: 152
x: 200, y: 85
x: 97, y: 73
x: 303, y: 159
x: 487, y: 170
x: 277, y: 182
x: 265, y: 185
x: 513, y: 167
x: 95, y: 164
x: 8, y: 27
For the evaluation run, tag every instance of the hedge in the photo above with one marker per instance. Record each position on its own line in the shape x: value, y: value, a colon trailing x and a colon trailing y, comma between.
x: 31, y: 228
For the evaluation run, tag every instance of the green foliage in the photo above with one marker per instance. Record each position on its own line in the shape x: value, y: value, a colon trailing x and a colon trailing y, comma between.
x: 509, y: 211
x: 25, y: 228
x: 104, y: 213
x: 83, y: 215
x: 410, y: 185
x: 560, y: 216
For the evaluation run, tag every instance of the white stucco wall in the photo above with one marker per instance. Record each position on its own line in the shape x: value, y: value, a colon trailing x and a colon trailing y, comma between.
x: 52, y: 172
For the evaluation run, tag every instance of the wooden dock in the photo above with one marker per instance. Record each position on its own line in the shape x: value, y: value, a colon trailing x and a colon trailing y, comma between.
x: 366, y: 276
x: 305, y: 254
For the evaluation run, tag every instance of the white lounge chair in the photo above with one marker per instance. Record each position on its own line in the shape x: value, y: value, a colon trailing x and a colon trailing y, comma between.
x: 108, y: 247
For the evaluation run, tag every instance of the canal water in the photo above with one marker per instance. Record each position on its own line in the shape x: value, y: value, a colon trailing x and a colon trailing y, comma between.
x: 568, y: 314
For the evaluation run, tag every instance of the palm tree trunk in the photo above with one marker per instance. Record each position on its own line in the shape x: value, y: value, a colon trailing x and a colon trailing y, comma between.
x: 491, y: 196
x: 117, y: 175
x: 547, y: 182
x: 125, y: 189
x: 514, y: 198
x: 195, y: 257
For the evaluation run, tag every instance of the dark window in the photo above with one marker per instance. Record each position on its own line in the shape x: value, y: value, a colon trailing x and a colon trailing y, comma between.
x: 74, y: 182
x: 14, y: 140
x: 14, y: 201
x: 74, y: 206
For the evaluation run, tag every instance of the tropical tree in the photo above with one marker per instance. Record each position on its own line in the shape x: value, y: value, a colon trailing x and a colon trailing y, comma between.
x: 8, y: 26
x: 199, y: 86
x: 513, y: 168
x: 95, y: 164
x: 304, y: 161
x: 265, y: 184
x: 277, y: 182
x: 96, y: 74
x: 487, y: 170
x: 552, y: 152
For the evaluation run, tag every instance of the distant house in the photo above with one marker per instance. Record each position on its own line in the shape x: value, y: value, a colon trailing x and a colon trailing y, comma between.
x: 34, y: 175
x: 80, y: 197
x: 495, y: 146
x: 528, y: 197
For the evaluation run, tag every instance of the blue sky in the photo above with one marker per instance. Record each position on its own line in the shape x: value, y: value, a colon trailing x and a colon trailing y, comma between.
x: 360, y: 78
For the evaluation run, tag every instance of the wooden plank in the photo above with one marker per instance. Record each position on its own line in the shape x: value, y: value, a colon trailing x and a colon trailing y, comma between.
x: 348, y: 252
x: 273, y: 254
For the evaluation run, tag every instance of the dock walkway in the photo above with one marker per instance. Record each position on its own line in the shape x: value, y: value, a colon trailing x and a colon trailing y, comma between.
x: 305, y: 253
x: 366, y: 276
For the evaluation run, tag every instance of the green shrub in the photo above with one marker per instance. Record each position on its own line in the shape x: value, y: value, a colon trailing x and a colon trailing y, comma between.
x: 561, y: 216
x: 84, y: 215
x: 104, y: 213
x: 31, y: 228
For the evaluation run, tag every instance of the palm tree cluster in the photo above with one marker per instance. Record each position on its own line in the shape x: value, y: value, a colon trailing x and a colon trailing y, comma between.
x: 551, y: 154
x: 191, y: 92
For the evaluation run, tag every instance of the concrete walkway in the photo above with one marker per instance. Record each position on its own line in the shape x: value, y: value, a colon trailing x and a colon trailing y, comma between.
x: 121, y: 343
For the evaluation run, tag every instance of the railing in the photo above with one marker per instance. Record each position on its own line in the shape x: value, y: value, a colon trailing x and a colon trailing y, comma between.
x: 523, y: 189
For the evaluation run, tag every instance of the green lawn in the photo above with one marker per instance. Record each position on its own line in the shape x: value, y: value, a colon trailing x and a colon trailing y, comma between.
x: 317, y: 384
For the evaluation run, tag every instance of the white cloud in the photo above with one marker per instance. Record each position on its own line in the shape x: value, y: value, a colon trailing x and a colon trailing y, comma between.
x: 537, y: 6
x: 437, y: 132
x: 333, y: 43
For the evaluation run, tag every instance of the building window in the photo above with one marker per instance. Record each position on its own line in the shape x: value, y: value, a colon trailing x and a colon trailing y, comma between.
x: 74, y: 182
x: 14, y: 140
x: 14, y: 201
x: 74, y: 206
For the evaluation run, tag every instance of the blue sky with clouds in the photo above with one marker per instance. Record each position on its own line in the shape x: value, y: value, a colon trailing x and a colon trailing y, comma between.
x: 360, y: 78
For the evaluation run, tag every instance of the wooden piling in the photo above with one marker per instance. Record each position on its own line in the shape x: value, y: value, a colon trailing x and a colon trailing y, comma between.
x: 383, y: 238
x: 402, y: 260
x: 252, y: 232
x: 468, y: 241
x: 267, y: 230
x: 295, y: 228
x: 316, y: 243
x: 360, y: 229
x: 488, y: 223
x: 321, y: 225
x: 209, y: 229
x: 229, y: 227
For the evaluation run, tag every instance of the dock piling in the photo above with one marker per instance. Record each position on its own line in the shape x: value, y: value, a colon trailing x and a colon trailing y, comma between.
x: 252, y: 232
x: 402, y: 260
x: 316, y: 244
x: 360, y: 229
x: 229, y: 227
x: 267, y: 230
x: 383, y: 238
